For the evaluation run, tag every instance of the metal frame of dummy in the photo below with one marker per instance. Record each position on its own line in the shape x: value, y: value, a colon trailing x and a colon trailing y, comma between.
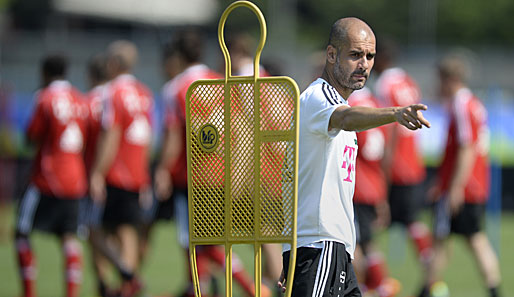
x: 289, y: 136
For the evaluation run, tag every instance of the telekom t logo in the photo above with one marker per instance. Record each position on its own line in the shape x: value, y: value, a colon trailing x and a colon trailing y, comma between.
x: 351, y: 165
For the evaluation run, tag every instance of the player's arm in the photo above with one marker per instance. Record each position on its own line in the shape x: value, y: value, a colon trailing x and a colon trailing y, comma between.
x: 463, y: 167
x: 172, y: 143
x: 106, y: 152
x: 361, y: 118
x: 107, y: 147
x: 145, y: 193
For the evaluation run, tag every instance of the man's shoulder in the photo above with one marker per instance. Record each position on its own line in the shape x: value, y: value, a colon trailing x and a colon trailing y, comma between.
x: 313, y: 91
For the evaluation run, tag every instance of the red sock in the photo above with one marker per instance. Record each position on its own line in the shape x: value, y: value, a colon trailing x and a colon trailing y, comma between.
x: 217, y: 254
x: 27, y: 265
x: 375, y: 271
x: 422, y: 240
x: 73, y: 255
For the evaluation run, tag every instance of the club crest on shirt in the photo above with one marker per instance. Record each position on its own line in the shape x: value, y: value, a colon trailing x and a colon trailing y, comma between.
x: 208, y: 138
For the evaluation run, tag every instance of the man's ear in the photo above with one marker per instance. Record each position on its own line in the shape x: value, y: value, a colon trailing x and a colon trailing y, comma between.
x: 331, y: 54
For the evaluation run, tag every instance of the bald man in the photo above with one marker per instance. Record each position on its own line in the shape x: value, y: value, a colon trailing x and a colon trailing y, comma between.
x: 328, y: 149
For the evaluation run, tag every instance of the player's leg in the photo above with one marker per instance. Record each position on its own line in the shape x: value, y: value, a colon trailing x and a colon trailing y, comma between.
x: 66, y: 229
x: 73, y: 264
x: 216, y: 254
x: 487, y: 261
x: 123, y: 215
x: 27, y: 210
x: 376, y: 274
x: 405, y: 206
x: 436, y: 266
x: 469, y: 222
x: 273, y: 261
x: 442, y: 226
x: 129, y: 241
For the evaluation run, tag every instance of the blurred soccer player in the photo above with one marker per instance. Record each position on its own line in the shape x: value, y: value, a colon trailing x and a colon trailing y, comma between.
x: 171, y: 172
x: 120, y: 174
x: 370, y: 205
x: 403, y: 164
x: 462, y: 186
x: 101, y: 245
x: 51, y: 202
x: 242, y: 47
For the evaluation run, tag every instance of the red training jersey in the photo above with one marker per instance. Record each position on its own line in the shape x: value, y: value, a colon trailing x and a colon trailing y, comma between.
x: 58, y: 126
x: 95, y: 102
x: 395, y: 87
x: 468, y: 125
x: 128, y: 104
x: 370, y: 185
x: 174, y: 96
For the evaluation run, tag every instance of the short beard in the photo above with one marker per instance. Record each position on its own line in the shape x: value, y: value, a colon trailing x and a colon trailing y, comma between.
x: 345, y: 80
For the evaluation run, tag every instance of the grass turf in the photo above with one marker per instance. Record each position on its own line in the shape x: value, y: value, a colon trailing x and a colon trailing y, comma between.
x: 164, y: 270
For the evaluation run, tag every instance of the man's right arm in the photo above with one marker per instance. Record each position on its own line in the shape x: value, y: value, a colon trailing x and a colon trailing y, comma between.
x: 361, y: 118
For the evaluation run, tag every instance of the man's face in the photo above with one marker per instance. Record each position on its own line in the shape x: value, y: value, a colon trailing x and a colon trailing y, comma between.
x: 354, y: 60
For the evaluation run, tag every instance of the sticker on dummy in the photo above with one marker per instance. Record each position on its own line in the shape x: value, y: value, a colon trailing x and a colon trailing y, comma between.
x: 208, y: 138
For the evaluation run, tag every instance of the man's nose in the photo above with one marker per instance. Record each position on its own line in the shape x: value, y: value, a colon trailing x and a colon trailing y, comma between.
x: 364, y: 63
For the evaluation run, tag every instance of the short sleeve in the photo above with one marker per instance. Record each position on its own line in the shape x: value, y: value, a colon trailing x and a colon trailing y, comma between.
x: 318, y: 110
x: 112, y: 111
x: 463, y: 121
x: 171, y: 107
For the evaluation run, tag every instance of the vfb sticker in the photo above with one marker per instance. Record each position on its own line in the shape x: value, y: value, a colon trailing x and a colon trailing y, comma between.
x: 208, y: 138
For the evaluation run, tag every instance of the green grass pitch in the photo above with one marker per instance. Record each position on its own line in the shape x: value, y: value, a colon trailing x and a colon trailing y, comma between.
x: 164, y: 270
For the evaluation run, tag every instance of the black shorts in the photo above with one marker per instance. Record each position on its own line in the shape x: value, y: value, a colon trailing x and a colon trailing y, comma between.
x: 365, y: 214
x: 405, y: 203
x: 467, y: 221
x: 327, y: 272
x: 92, y: 213
x: 121, y: 208
x: 162, y: 210
x: 47, y: 213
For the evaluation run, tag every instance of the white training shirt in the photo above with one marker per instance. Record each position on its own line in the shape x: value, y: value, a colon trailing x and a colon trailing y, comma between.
x: 326, y: 176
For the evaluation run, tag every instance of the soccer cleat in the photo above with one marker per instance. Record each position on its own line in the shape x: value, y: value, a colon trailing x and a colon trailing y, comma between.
x: 439, y: 289
x: 389, y: 287
x: 131, y: 288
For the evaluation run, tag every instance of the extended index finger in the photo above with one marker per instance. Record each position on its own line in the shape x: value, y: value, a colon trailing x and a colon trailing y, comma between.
x: 422, y: 119
x: 419, y: 106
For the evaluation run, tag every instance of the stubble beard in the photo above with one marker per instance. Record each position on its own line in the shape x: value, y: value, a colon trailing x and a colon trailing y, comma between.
x: 345, y: 79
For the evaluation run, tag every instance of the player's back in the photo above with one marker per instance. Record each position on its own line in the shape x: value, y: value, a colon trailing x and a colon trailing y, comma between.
x: 468, y: 125
x: 174, y: 94
x: 128, y: 106
x: 95, y: 103
x: 59, y: 126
